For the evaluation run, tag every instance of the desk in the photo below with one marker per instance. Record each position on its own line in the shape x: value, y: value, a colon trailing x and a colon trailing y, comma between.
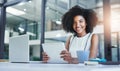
x: 38, y: 66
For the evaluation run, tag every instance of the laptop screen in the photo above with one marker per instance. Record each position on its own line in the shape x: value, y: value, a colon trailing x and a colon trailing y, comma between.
x: 19, y: 48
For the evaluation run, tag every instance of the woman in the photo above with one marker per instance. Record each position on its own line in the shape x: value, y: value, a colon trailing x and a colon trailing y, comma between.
x: 80, y: 22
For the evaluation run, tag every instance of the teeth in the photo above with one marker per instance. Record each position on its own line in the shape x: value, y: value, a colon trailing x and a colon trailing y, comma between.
x: 78, y: 28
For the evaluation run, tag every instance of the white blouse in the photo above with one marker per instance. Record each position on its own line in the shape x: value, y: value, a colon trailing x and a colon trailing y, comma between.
x: 80, y: 43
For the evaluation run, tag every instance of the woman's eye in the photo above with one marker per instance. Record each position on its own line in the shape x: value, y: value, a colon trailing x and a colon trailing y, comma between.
x: 80, y: 21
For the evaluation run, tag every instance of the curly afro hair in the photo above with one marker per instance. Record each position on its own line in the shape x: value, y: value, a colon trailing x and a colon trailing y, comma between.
x: 89, y: 15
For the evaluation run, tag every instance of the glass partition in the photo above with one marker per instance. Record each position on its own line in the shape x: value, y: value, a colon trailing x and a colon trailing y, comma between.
x: 115, y: 30
x: 24, y: 18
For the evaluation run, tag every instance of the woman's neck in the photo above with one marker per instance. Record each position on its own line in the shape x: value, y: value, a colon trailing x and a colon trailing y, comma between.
x: 81, y: 34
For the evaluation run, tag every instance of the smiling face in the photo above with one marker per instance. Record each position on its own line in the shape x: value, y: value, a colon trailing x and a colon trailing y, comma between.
x: 79, y: 25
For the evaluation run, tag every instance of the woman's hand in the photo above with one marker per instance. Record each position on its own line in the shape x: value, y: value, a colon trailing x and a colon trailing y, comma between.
x: 66, y: 56
x: 45, y: 57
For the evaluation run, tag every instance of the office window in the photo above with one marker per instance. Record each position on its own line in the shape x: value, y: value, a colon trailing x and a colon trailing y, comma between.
x: 115, y: 30
x: 24, y: 18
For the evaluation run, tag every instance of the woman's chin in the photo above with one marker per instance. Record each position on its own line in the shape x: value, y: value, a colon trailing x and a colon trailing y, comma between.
x: 79, y: 32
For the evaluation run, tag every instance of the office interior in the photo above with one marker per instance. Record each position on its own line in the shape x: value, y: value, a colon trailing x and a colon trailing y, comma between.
x: 25, y: 16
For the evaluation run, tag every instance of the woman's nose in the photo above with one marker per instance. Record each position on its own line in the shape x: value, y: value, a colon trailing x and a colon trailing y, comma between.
x: 77, y: 24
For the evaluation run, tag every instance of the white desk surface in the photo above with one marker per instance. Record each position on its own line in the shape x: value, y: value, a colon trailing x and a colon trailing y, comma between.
x: 38, y: 66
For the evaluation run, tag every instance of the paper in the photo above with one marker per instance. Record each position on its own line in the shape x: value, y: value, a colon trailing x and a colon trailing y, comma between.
x: 53, y: 50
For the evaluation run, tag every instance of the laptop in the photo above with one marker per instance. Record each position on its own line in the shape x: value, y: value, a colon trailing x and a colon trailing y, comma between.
x: 53, y: 50
x: 19, y: 48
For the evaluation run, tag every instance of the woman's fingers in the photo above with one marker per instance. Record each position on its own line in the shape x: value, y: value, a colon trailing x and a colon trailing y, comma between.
x: 63, y: 52
x: 66, y: 56
x: 44, y: 53
x: 45, y: 57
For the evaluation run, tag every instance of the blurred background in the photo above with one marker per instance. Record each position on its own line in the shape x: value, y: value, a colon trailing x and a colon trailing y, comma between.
x: 25, y: 18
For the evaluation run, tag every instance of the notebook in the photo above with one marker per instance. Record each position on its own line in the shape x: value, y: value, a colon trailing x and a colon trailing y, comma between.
x: 19, y: 48
x: 53, y: 50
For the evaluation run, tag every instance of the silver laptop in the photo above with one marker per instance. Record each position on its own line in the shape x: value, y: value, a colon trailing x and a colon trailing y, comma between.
x: 19, y: 48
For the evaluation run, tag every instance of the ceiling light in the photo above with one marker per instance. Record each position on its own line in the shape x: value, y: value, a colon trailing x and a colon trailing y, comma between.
x: 58, y: 22
x: 30, y: 1
x: 21, y: 29
x: 24, y: 9
x: 22, y: 3
x: 14, y: 11
x: 47, y: 8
